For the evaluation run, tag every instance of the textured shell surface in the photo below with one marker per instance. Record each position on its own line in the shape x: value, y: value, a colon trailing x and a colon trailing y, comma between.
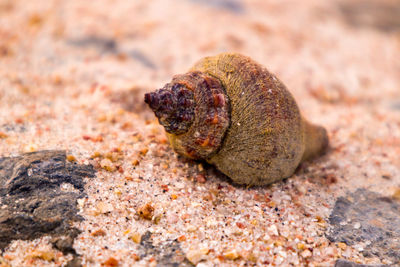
x: 211, y: 109
x: 264, y: 141
x: 233, y: 113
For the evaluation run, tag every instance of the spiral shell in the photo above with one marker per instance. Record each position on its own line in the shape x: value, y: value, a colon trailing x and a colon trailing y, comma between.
x: 233, y: 113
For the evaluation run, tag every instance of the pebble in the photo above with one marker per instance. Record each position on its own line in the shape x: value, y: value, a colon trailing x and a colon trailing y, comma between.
x: 306, y: 253
x: 103, y: 207
x: 195, y: 256
x: 273, y: 230
x: 231, y: 254
x: 146, y: 211
x: 135, y: 237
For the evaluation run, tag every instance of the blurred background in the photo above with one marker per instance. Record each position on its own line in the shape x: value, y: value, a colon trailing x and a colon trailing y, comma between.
x: 336, y: 50
x: 339, y: 58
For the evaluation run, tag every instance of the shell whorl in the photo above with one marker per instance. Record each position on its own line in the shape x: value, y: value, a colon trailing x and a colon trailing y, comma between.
x: 174, y: 106
x: 195, y: 130
x: 265, y: 139
x: 233, y: 113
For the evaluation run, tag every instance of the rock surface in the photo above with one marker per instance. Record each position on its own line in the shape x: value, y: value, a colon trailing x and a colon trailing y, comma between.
x: 369, y: 219
x: 345, y: 263
x: 167, y: 254
x: 32, y: 201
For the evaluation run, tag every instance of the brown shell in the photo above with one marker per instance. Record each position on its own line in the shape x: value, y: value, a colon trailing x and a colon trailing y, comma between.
x: 264, y: 142
x: 266, y: 138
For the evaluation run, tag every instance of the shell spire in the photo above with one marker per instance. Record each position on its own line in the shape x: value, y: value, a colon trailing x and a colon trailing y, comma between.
x: 173, y: 105
x: 194, y: 109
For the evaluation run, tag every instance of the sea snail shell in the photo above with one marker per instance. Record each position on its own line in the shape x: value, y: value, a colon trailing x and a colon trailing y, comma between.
x: 231, y: 112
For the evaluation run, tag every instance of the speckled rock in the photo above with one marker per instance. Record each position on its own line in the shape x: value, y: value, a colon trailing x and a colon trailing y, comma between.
x: 370, y: 220
x: 167, y: 254
x: 345, y: 263
x: 32, y: 201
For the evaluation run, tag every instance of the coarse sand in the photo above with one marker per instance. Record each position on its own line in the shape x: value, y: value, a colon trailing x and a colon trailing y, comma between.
x: 73, y: 75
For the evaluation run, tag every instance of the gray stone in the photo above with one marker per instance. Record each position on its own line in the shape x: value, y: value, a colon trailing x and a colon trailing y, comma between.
x: 168, y: 254
x: 234, y: 6
x: 32, y: 202
x: 375, y: 14
x: 368, y: 218
x: 105, y: 45
x: 345, y: 263
x: 396, y: 105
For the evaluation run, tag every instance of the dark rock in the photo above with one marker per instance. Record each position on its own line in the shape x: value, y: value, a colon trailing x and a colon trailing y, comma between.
x: 345, y: 263
x: 32, y: 202
x: 168, y: 254
x: 64, y: 244
x: 234, y: 6
x: 106, y: 45
x: 142, y: 58
x: 103, y: 44
x: 365, y: 216
x: 75, y: 262
x: 18, y: 128
x: 380, y: 15
x: 396, y: 106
